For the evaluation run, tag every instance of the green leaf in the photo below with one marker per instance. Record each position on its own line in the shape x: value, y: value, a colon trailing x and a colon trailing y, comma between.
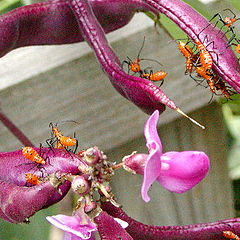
x: 236, y: 4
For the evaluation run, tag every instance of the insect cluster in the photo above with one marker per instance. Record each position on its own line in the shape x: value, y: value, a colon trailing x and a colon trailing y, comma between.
x: 198, y: 60
x: 95, y: 171
x: 135, y: 67
x: 57, y: 141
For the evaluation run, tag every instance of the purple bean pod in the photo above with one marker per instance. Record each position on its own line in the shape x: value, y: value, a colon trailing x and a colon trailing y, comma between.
x: 53, y: 22
x: 202, y: 231
x: 140, y: 91
x: 18, y: 200
x: 109, y: 229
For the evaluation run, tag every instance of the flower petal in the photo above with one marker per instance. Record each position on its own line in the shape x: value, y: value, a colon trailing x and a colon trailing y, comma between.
x: 152, y: 170
x: 150, y: 131
x: 80, y: 226
x: 153, y: 163
x: 69, y: 236
x: 181, y: 171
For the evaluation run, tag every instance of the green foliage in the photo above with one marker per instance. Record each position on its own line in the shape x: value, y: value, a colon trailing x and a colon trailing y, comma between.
x: 7, y: 5
x: 236, y: 4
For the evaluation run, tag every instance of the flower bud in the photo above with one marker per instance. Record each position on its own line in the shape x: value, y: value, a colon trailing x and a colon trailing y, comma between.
x: 92, y: 155
x: 135, y: 163
x: 80, y: 185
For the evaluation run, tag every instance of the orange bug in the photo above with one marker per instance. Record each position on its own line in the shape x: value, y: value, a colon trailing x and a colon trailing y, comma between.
x: 32, y: 155
x: 215, y: 83
x: 61, y: 140
x: 205, y: 58
x: 237, y: 48
x: 237, y: 45
x: 226, y: 92
x: 201, y: 71
x: 230, y: 235
x: 185, y: 49
x: 134, y: 65
x: 187, y: 52
x: 157, y: 76
x: 32, y: 179
x: 226, y: 22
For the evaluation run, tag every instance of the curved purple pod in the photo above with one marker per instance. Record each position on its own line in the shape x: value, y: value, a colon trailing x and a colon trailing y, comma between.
x: 109, y: 229
x: 202, y: 231
x: 197, y: 27
x: 140, y: 91
x: 19, y: 200
x: 53, y: 22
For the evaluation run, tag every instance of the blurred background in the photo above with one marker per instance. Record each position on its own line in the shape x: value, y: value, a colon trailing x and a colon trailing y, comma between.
x: 46, y: 84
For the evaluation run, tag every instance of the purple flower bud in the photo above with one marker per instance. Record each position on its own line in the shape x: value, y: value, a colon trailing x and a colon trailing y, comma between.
x: 92, y: 156
x: 18, y: 200
x: 89, y: 206
x: 135, y: 163
x: 80, y: 185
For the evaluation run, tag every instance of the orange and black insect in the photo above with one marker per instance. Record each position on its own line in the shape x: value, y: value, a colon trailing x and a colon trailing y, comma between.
x: 230, y: 235
x: 215, y: 83
x: 209, y: 77
x: 134, y: 65
x: 154, y: 76
x: 236, y: 45
x: 225, y: 90
x: 60, y: 140
x: 205, y: 58
x: 36, y: 158
x: 32, y: 179
x: 32, y: 155
x: 188, y: 53
x: 227, y: 21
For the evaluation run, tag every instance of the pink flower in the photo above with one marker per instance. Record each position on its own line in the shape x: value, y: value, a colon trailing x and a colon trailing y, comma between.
x: 176, y: 171
x: 76, y: 227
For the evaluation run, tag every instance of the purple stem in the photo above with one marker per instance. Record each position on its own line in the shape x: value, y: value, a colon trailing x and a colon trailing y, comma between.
x: 202, y: 231
x: 15, y: 130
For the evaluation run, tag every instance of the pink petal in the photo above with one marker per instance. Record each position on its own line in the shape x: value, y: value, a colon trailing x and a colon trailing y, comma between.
x: 153, y: 163
x: 150, y: 131
x: 73, y: 224
x: 181, y: 171
x: 152, y: 169
x: 70, y: 236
